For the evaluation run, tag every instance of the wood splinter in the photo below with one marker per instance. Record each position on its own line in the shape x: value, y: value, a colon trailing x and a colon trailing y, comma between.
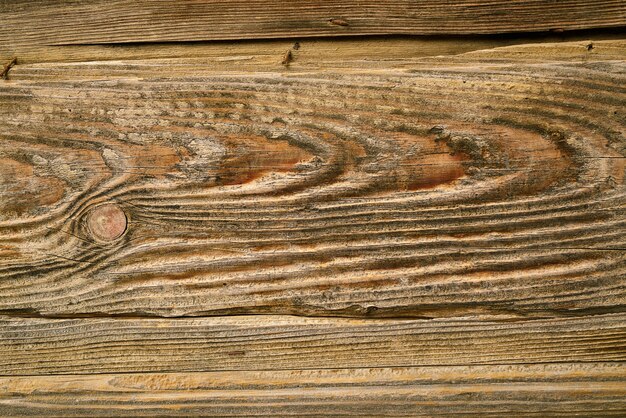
x: 287, y: 58
x: 5, y: 71
x: 339, y: 22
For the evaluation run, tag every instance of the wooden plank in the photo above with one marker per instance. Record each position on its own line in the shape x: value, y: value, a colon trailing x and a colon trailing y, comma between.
x: 52, y: 22
x: 522, y: 390
x: 32, y: 346
x: 456, y: 186
x: 371, y: 52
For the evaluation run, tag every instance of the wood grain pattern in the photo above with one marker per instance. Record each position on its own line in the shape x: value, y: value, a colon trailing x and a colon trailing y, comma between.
x: 380, y: 52
x: 449, y: 210
x: 526, y: 390
x: 32, y: 346
x: 52, y: 22
x: 455, y: 186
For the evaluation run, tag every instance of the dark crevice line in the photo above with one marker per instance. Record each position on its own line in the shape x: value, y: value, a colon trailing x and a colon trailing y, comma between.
x: 340, y: 314
x: 615, y: 32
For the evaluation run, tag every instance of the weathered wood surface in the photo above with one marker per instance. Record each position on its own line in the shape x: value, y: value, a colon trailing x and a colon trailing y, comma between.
x: 536, y: 390
x: 446, y: 187
x: 32, y: 346
x: 67, y: 22
x: 345, y: 53
x: 370, y: 52
x: 461, y: 200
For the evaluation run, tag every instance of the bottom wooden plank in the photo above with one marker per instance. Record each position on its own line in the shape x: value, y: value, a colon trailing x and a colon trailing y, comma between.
x: 564, y: 389
x: 34, y: 346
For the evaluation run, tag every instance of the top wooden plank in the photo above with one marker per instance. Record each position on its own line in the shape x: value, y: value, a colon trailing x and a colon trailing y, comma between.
x: 72, y: 22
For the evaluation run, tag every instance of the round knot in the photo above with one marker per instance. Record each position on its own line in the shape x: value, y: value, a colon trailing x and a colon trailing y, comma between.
x: 107, y: 222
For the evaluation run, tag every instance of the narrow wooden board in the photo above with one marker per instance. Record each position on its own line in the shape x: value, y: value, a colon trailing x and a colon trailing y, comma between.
x: 32, y: 346
x: 53, y: 22
x: 362, y: 52
x: 521, y: 390
x: 380, y: 52
x: 439, y: 188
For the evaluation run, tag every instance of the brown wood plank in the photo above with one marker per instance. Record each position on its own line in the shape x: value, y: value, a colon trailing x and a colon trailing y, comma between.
x: 32, y: 346
x: 522, y: 390
x: 52, y: 22
x: 371, y: 52
x: 456, y: 185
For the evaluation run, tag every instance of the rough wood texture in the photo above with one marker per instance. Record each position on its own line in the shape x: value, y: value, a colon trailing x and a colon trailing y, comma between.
x: 453, y: 187
x: 76, y: 346
x: 53, y: 22
x: 529, y: 390
x: 308, y: 54
x: 370, y: 52
x: 467, y: 211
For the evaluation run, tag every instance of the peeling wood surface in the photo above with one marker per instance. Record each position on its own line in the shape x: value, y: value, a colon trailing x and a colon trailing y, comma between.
x: 70, y: 22
x: 428, y: 226
x: 537, y: 390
